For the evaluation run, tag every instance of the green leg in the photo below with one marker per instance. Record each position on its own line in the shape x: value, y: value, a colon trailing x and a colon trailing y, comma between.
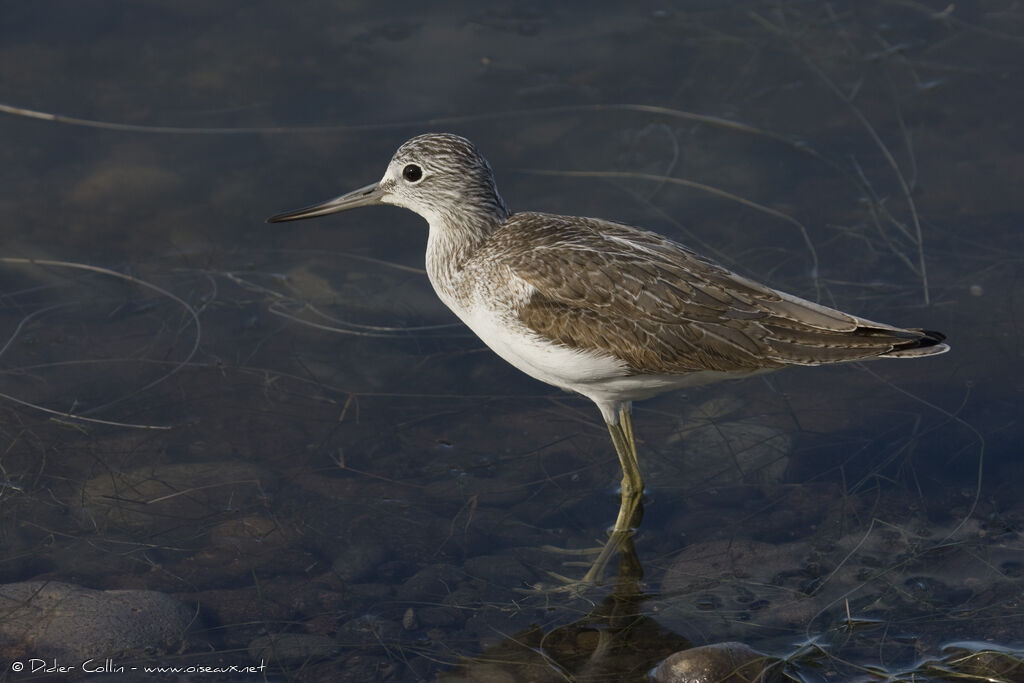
x: 630, y: 509
x: 631, y: 504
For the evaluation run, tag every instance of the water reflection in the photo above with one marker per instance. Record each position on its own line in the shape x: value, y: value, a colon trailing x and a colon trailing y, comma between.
x: 616, y: 638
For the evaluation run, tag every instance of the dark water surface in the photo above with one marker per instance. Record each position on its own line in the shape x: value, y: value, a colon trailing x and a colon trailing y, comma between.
x: 283, y: 428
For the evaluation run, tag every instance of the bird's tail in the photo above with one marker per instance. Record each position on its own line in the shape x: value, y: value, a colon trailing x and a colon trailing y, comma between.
x: 928, y: 344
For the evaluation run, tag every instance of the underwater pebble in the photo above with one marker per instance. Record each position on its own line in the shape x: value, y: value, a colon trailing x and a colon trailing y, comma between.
x: 356, y: 562
x: 370, y: 630
x: 291, y: 647
x: 434, y: 581
x: 498, y: 569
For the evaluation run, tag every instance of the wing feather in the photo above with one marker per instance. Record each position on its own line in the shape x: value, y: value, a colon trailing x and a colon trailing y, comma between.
x: 661, y: 308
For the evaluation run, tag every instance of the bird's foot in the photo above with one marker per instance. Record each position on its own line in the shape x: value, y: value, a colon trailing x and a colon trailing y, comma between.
x: 618, y: 542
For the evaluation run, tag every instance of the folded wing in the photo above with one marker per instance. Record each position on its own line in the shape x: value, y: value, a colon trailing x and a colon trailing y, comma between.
x: 661, y: 308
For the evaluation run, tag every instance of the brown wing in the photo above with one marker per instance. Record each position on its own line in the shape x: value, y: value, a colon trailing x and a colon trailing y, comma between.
x: 661, y: 308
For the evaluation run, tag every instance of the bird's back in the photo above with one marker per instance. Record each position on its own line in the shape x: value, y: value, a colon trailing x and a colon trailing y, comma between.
x: 661, y: 308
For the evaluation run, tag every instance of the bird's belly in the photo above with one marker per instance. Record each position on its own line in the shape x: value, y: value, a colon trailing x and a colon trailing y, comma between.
x: 562, y: 366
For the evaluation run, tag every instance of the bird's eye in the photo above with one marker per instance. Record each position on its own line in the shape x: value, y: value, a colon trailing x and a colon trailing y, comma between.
x: 412, y: 173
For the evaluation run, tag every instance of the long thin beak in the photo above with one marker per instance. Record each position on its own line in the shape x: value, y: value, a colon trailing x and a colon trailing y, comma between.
x: 364, y: 196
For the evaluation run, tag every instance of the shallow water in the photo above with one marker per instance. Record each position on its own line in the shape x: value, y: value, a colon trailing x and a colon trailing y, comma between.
x: 282, y: 427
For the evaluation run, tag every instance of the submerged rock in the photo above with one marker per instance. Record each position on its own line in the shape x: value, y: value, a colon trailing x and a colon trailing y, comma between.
x: 69, y: 623
x: 168, y: 495
x: 292, y: 647
x: 716, y: 663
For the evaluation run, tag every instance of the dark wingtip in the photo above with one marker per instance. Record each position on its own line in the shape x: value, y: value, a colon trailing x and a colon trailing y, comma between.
x: 930, y: 338
x: 930, y: 343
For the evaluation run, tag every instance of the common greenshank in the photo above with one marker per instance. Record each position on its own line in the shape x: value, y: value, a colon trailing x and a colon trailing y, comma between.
x: 609, y: 311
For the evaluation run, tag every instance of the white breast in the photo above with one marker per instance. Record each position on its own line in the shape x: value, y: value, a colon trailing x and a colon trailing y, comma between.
x: 493, y: 317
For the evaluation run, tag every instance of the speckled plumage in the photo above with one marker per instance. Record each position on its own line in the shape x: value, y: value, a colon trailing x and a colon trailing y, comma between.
x: 661, y: 308
x: 612, y: 312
